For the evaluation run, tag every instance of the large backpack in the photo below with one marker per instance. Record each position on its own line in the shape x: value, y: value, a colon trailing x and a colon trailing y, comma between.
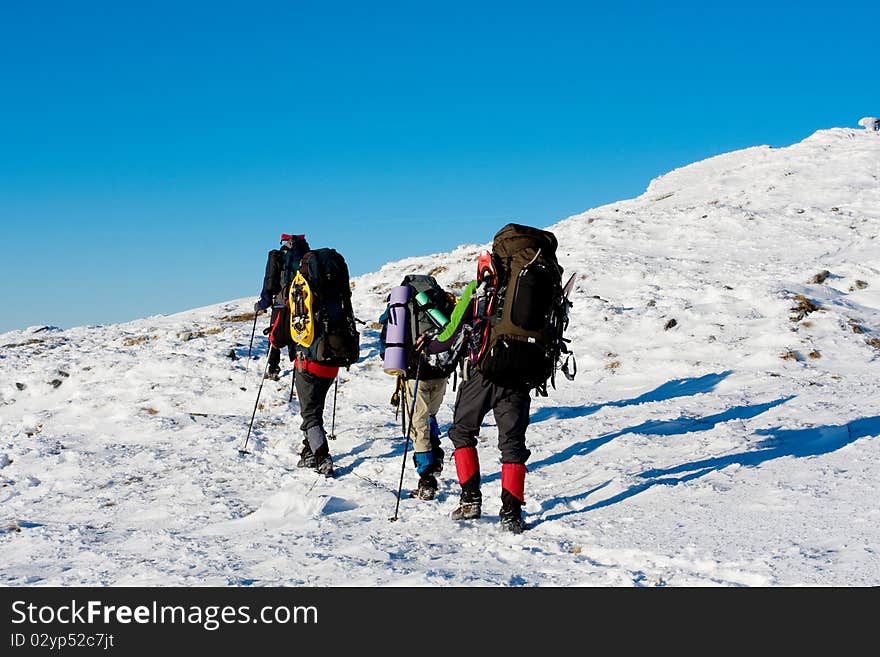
x: 419, y: 322
x: 526, y: 313
x: 322, y: 321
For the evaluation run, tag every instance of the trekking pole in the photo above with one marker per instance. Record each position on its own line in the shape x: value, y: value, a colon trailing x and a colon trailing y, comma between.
x: 292, y: 381
x: 250, y: 349
x: 395, y: 398
x: 332, y: 435
x: 407, y: 429
x: 243, y: 450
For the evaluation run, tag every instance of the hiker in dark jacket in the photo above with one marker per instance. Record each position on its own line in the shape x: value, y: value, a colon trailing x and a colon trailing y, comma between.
x: 274, y: 296
x: 323, y: 327
x: 476, y: 397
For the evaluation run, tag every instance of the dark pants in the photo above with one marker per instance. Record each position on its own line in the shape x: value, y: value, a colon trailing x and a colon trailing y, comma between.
x: 311, y: 391
x: 476, y: 397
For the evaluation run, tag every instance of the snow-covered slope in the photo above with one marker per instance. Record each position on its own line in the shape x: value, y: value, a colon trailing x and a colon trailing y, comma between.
x: 736, y: 445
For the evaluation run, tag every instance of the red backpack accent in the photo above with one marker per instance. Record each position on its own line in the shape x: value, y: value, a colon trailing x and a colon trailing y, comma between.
x: 485, y: 299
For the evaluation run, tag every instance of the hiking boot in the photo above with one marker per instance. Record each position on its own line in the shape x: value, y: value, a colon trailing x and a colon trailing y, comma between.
x: 325, y: 466
x: 274, y: 373
x: 467, y: 511
x: 512, y: 521
x: 427, y: 487
x: 323, y: 462
x: 306, y: 458
x: 511, y: 514
x: 469, y: 506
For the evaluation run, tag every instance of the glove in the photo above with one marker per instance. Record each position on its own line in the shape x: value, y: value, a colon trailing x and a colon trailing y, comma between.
x: 422, y: 343
x: 257, y: 309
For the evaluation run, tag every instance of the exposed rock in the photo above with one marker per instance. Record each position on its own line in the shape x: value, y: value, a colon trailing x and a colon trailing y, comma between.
x: 803, y: 308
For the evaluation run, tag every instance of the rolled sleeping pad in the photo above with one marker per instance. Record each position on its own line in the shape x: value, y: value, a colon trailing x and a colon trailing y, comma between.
x: 438, y: 318
x: 395, y: 333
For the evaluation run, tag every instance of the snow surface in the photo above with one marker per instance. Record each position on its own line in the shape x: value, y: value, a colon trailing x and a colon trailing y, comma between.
x: 738, y: 447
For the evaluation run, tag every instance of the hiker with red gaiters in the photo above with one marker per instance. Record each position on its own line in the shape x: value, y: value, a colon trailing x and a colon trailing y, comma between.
x: 510, y: 322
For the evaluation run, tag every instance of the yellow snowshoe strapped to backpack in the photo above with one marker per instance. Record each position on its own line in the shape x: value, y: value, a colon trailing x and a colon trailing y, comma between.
x: 302, y: 320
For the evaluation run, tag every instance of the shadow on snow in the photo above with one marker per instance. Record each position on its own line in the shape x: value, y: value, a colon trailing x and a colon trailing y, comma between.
x: 779, y: 443
x: 669, y: 390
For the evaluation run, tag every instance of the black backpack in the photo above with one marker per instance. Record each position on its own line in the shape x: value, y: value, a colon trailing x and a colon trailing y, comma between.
x: 419, y: 321
x: 322, y: 321
x: 529, y: 312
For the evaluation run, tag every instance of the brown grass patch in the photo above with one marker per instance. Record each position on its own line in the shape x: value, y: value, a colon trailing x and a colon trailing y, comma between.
x: 613, y: 365
x: 201, y: 333
x: 874, y: 342
x: 140, y: 339
x: 439, y: 269
x: 149, y: 410
x: 814, y: 354
x: 243, y: 317
x: 791, y: 355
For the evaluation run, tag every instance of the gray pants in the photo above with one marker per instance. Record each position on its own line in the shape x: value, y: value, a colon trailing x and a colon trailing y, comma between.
x: 476, y: 397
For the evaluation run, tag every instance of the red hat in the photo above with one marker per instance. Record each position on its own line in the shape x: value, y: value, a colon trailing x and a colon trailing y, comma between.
x: 286, y: 238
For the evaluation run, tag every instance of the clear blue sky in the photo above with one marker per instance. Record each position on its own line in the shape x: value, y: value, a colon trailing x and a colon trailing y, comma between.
x: 151, y: 153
